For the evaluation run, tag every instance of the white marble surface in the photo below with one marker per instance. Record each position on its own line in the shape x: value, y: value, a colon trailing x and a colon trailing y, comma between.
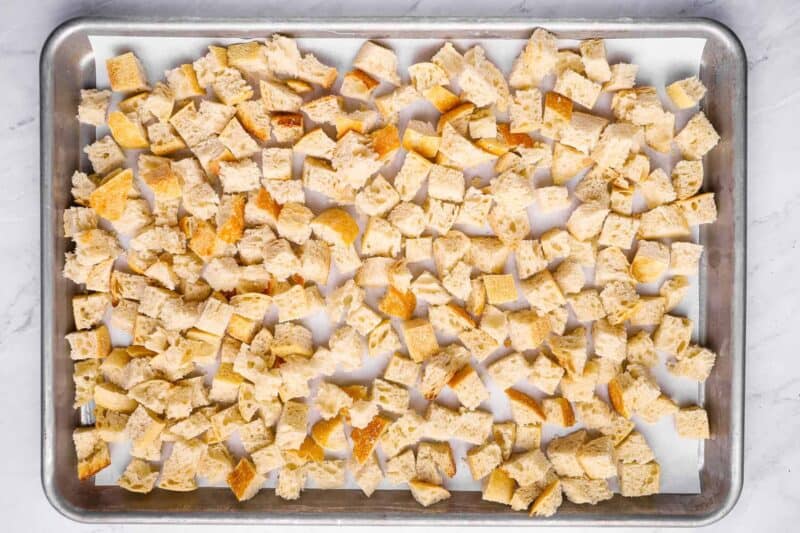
x: 770, y: 32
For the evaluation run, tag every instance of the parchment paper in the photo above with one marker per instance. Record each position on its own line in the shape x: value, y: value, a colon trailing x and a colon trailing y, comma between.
x: 661, y: 61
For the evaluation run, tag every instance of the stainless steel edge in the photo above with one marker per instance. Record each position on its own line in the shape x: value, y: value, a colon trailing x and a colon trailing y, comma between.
x: 377, y: 28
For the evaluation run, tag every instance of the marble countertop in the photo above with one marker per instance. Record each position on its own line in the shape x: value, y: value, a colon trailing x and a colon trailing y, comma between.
x: 770, y: 32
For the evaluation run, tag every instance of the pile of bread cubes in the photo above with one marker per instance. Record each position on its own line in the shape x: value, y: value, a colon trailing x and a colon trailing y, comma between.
x: 218, y: 237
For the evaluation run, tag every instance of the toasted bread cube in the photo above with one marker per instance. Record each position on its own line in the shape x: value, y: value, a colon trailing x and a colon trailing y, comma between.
x: 558, y: 411
x: 687, y: 92
x: 698, y: 209
x: 89, y: 344
x: 687, y: 178
x: 596, y: 457
x: 405, y: 431
x: 528, y: 467
x: 402, y: 370
x: 291, y: 428
x: 368, y: 475
x: 619, y: 231
x: 673, y: 334
x: 329, y: 434
x: 577, y: 88
x: 525, y: 111
x: 440, y: 369
x: 377, y: 61
x: 365, y: 440
x: 499, y: 488
x: 509, y: 370
x: 500, y: 288
x: 527, y: 329
x: 537, y: 60
x: 697, y: 138
x: 623, y: 76
x: 126, y: 74
x: 542, y: 292
x: 586, y: 305
x: 637, y: 480
x: 634, y: 450
x: 593, y: 55
x: 563, y: 454
x: 479, y: 343
x: 359, y: 85
x: 469, y: 387
x: 694, y: 363
x: 641, y: 349
x: 401, y: 468
x: 92, y: 452
x: 629, y: 393
x: 139, y: 476
x: 291, y: 480
x: 692, y: 423
x: 650, y: 262
x: 420, y: 339
x: 663, y: 222
x: 93, y: 106
x: 482, y: 460
x: 426, y: 493
x: 582, y: 490
x: 525, y: 409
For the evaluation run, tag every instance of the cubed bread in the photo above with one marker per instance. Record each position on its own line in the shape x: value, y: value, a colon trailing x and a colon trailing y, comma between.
x: 499, y: 487
x: 402, y: 467
x: 687, y: 92
x: 692, y: 423
x: 525, y: 409
x: 629, y: 392
x: 126, y: 74
x: 420, y: 339
x: 365, y: 439
x: 469, y: 387
x: 91, y: 451
x: 527, y: 467
x: 697, y: 137
x: 558, y: 411
x: 582, y: 490
x: 426, y: 493
x: 563, y: 454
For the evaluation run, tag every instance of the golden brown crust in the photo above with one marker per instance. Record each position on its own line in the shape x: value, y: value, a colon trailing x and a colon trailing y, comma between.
x: 365, y: 439
x: 241, y: 478
x: 386, y: 142
x: 109, y: 199
x: 398, y: 304
x: 232, y: 229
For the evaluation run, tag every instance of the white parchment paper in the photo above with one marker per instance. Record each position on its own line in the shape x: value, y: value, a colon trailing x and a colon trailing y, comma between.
x: 661, y: 61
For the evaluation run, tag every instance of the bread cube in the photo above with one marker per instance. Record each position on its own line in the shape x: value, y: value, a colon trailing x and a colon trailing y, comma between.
x: 426, y: 493
x: 698, y: 209
x: 499, y: 487
x: 673, y: 334
x: 482, y: 460
x: 634, y: 450
x: 563, y: 454
x: 126, y: 74
x: 525, y: 409
x: 527, y: 329
x: 641, y: 350
x: 92, y: 452
x: 401, y: 468
x: 469, y: 387
x: 473, y: 426
x: 582, y: 490
x: 528, y: 467
x: 694, y: 363
x: 637, y: 480
x: 359, y: 85
x: 558, y: 411
x: 687, y: 92
x: 629, y: 392
x: 509, y: 369
x: 697, y: 137
x: 687, y: 178
x: 365, y: 439
x: 692, y: 423
x: 623, y: 76
x: 405, y: 431
x: 663, y: 222
x: 619, y: 231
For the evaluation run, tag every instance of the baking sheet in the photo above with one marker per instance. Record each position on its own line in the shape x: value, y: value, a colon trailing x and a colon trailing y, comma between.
x: 661, y: 60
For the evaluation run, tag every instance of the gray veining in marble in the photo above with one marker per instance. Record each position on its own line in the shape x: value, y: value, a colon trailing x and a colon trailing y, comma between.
x: 770, y: 31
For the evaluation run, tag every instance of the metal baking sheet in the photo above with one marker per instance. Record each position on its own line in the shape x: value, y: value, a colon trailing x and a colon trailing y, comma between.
x: 77, y: 46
